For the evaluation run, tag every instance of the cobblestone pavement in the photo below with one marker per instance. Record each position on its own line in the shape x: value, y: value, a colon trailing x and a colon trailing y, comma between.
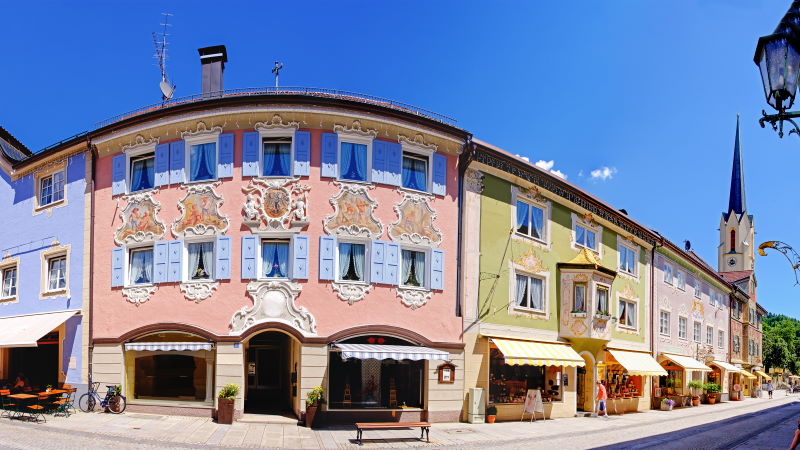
x: 726, y: 425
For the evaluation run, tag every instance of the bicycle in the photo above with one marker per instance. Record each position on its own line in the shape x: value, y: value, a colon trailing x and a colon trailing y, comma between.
x: 114, y: 402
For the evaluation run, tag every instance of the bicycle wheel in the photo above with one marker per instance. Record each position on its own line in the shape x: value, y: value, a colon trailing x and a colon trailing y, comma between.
x: 86, y: 403
x: 116, y: 405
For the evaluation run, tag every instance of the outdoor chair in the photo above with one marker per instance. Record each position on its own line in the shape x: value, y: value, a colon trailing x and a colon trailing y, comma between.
x: 39, y: 408
x: 64, y: 403
x: 9, y: 407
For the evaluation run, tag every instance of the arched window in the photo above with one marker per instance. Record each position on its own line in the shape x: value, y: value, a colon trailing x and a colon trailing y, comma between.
x: 733, y: 240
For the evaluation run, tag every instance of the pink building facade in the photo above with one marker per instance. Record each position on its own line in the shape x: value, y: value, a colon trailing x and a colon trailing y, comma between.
x: 279, y: 244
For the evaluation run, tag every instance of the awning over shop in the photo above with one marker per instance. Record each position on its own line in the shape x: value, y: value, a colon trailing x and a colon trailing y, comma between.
x: 169, y: 346
x: 686, y: 362
x: 397, y: 352
x: 747, y: 374
x: 24, y: 331
x: 538, y: 353
x: 762, y: 374
x: 638, y: 363
x: 729, y: 367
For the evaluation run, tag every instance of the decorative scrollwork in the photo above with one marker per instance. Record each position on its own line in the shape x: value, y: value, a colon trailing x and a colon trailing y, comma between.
x: 275, y: 205
x: 140, y: 141
x: 351, y: 292
x: 415, y: 220
x: 201, y: 130
x: 273, y: 301
x: 353, y: 212
x: 787, y: 251
x: 354, y: 129
x: 140, y: 220
x: 276, y: 122
x: 200, y: 213
x: 199, y: 290
x: 138, y: 294
x: 413, y: 297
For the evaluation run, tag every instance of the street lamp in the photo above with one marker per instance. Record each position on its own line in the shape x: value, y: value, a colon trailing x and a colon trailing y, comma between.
x: 778, y: 59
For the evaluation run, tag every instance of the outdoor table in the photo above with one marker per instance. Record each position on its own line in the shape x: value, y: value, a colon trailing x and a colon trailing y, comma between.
x: 26, y: 398
x: 53, y: 392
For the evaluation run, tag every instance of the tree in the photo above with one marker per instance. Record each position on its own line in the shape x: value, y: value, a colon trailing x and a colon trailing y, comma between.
x: 776, y: 351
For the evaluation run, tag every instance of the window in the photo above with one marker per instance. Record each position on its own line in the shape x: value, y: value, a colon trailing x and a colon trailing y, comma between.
x: 736, y: 344
x: 627, y: 313
x: 602, y: 300
x: 351, y: 261
x: 203, y: 162
x: 530, y: 220
x: 733, y: 241
x: 57, y: 273
x: 201, y: 261
x: 276, y: 157
x: 530, y: 292
x: 274, y: 258
x: 721, y: 339
x: 141, y: 266
x: 696, y: 332
x: 681, y: 277
x: 51, y: 188
x: 667, y: 273
x: 585, y: 237
x: 9, y: 282
x: 682, y: 324
x: 142, y: 172
x: 737, y: 309
x: 413, y: 268
x: 353, y: 161
x: 627, y: 260
x: 709, y: 335
x: 579, y: 298
x: 663, y: 323
x: 752, y: 317
x: 698, y: 290
x: 415, y: 171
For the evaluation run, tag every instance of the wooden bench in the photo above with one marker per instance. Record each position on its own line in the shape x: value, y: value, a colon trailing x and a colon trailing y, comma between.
x: 424, y: 427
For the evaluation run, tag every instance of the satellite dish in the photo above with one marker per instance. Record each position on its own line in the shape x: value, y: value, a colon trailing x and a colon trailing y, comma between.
x: 166, y: 89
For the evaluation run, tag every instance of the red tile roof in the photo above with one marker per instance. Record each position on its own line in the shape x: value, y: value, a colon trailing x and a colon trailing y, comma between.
x: 732, y: 277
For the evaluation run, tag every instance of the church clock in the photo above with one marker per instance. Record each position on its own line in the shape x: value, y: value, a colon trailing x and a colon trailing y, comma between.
x: 732, y: 262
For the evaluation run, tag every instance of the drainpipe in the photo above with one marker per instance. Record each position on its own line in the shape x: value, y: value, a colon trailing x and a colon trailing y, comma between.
x: 93, y: 159
x: 463, y: 162
x: 659, y: 243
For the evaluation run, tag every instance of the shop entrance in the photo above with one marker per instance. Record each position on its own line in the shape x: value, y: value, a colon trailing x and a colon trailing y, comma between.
x: 581, y: 388
x: 39, y: 365
x: 268, y: 370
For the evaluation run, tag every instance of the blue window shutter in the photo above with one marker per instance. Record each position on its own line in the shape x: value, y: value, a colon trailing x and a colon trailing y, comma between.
x: 391, y: 264
x: 302, y: 153
x: 439, y: 174
x: 393, y: 167
x: 249, y: 255
x: 330, y: 157
x: 250, y: 153
x: 225, y: 163
x: 378, y: 161
x: 176, y: 162
x: 118, y: 174
x: 160, y: 262
x: 437, y: 269
x: 327, y: 251
x: 175, y: 259
x: 117, y: 266
x: 222, y: 252
x: 162, y: 164
x: 376, y: 262
x: 298, y: 268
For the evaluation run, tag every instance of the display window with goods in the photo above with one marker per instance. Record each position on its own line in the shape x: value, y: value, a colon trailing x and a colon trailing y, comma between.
x: 508, y: 384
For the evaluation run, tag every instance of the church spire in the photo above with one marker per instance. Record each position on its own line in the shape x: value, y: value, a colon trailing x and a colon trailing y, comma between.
x: 737, y: 202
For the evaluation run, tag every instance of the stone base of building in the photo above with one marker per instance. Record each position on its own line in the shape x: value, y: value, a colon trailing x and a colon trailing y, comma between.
x: 204, y: 411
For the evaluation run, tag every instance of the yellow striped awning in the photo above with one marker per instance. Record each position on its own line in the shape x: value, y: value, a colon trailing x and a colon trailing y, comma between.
x: 638, y: 363
x: 729, y: 367
x: 747, y: 374
x: 760, y: 373
x: 517, y: 353
x: 686, y: 362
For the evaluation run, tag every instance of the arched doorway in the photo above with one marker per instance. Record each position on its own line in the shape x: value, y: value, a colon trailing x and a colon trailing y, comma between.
x: 271, y: 373
x: 585, y: 386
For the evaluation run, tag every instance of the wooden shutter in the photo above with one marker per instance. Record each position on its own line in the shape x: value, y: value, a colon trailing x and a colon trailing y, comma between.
x: 439, y: 174
x: 250, y: 152
x: 378, y: 161
x: 118, y: 174
x: 160, y: 262
x: 327, y: 252
x: 225, y: 163
x: 161, y: 164
x: 393, y: 166
x: 117, y: 267
x: 175, y: 258
x: 437, y: 269
x: 302, y: 153
x: 176, y: 162
x: 222, y: 253
x: 376, y: 262
x: 391, y: 265
x: 249, y: 257
x: 330, y: 157
x: 298, y: 267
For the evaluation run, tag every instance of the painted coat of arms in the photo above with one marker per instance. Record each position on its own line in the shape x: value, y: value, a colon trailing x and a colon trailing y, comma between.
x: 139, y: 221
x: 352, y: 213
x: 275, y: 205
x: 415, y: 222
x: 200, y: 213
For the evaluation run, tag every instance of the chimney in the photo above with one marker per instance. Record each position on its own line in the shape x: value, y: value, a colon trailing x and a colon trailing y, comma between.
x: 212, y: 63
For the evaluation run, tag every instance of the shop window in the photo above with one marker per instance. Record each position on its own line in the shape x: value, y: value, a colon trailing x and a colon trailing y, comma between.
x: 413, y: 267
x: 627, y: 313
x: 709, y: 335
x: 667, y: 273
x: 585, y: 237
x: 51, y: 188
x: 140, y: 263
x: 602, y: 300
x: 353, y: 161
x: 57, y: 273
x: 721, y: 339
x: 415, y: 172
x: 510, y: 384
x: 375, y: 384
x: 274, y: 258
x: 530, y: 220
x: 203, y: 162
x: 579, y: 298
x: 276, y: 157
x: 671, y: 384
x: 352, y: 259
x: 9, y: 282
x: 696, y: 332
x: 620, y: 384
x: 627, y: 260
x: 201, y: 261
x: 529, y: 292
x: 663, y: 323
x: 683, y: 323
x: 142, y: 170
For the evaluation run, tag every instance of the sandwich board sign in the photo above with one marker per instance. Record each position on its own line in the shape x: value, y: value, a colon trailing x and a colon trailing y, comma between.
x: 533, y: 404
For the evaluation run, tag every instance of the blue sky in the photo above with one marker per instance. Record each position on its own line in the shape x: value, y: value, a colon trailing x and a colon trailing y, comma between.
x: 648, y: 88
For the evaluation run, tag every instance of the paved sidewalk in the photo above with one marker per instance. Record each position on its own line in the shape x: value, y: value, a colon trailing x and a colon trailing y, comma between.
x: 131, y: 430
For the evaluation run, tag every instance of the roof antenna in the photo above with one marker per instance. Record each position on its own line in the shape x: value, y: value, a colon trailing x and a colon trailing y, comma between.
x: 160, y: 43
x: 275, y: 70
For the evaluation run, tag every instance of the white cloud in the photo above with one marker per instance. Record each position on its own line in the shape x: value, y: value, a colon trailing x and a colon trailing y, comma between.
x: 580, y: 173
x: 603, y: 173
x: 548, y: 165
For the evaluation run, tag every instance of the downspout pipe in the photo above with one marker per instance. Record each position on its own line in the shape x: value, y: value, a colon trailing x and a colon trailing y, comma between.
x: 659, y: 243
x: 93, y: 160
x: 464, y: 160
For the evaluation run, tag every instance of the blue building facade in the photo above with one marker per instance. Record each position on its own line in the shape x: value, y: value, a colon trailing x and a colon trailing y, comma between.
x: 43, y: 297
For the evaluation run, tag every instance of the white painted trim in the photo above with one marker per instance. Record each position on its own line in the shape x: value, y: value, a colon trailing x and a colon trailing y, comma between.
x: 204, y: 138
x: 424, y: 153
x: 515, y: 310
x: 267, y: 133
x: 367, y: 259
x: 545, y: 205
x: 185, y: 250
x: 352, y: 138
x: 598, y: 230
x: 624, y: 243
x: 132, y: 152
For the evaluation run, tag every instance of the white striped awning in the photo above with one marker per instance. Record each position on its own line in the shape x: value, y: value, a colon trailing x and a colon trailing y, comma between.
x: 398, y: 352
x: 687, y: 362
x: 723, y: 365
x: 538, y: 353
x: 169, y: 346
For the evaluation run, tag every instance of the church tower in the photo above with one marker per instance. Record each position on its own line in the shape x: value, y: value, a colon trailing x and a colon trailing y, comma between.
x: 736, y: 251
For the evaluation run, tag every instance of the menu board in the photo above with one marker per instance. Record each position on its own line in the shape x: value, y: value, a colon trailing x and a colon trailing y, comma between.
x: 533, y: 404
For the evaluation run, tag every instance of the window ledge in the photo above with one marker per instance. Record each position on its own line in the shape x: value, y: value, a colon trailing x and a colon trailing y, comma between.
x: 665, y: 335
x: 345, y: 180
x: 49, y: 205
x: 11, y: 299
x: 54, y: 293
x: 577, y: 314
x: 527, y: 237
x: 210, y: 180
x: 529, y: 310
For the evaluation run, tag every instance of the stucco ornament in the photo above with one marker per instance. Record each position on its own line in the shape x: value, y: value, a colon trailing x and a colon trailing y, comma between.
x: 530, y: 262
x: 140, y: 141
x: 275, y: 204
x: 473, y: 181
x: 354, y: 129
x: 415, y: 222
x: 413, y: 297
x: 139, y: 220
x: 353, y: 212
x: 197, y: 291
x: 274, y: 301
x: 138, y: 294
x: 276, y: 123
x: 201, y: 130
x: 351, y: 292
x: 200, y: 215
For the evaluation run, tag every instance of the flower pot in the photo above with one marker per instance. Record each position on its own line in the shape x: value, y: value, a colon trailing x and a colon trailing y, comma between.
x: 491, y: 419
x: 311, y: 411
x: 695, y: 401
x: 666, y: 407
x: 225, y: 410
x: 712, y: 399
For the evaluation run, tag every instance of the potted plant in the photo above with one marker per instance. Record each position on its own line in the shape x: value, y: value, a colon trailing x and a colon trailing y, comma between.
x: 711, y: 392
x: 491, y: 413
x: 603, y: 316
x: 225, y: 400
x: 695, y: 386
x: 48, y: 388
x: 667, y: 404
x: 313, y: 399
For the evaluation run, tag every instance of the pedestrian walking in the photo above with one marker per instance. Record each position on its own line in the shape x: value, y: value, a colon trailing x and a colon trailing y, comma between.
x: 602, y: 396
x: 769, y: 388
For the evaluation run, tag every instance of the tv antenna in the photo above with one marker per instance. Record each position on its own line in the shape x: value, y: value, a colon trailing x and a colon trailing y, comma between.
x: 160, y: 43
x: 275, y: 70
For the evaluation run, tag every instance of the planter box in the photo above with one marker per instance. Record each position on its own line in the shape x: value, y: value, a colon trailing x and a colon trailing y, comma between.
x: 577, y: 314
x: 225, y: 410
x: 665, y: 407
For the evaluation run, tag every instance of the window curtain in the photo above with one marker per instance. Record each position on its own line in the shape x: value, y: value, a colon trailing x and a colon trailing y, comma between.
x: 414, y: 174
x: 274, y: 260
x: 537, y: 220
x: 276, y: 159
x: 407, y: 264
x: 141, y: 267
x: 203, y: 160
x: 202, y: 251
x: 344, y: 259
x: 537, y: 296
x: 522, y: 217
x: 623, y: 309
x: 631, y: 314
x: 419, y: 267
x: 522, y: 288
x: 590, y: 239
x: 580, y: 235
x: 580, y: 294
x: 602, y: 300
x: 357, y: 255
x: 143, y: 176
